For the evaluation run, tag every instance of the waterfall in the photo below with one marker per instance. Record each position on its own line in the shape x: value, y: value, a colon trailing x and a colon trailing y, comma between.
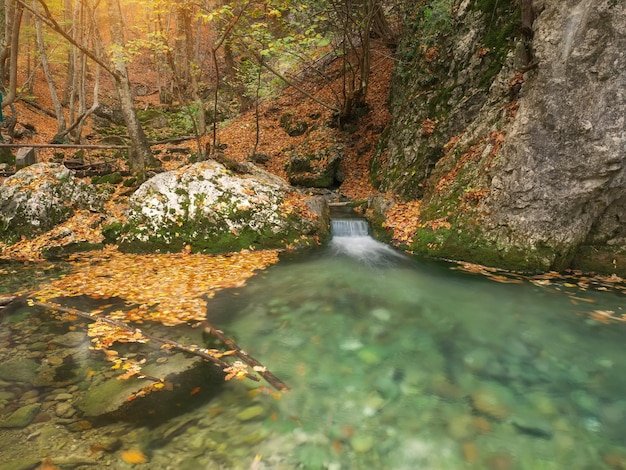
x: 349, y: 228
x: 350, y: 236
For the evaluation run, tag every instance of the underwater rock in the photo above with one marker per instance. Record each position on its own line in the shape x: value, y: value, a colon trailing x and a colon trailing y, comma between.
x: 22, y: 417
x: 488, y: 402
x: 71, y: 339
x: 532, y: 425
x: 362, y: 443
x: 19, y: 370
x: 250, y: 413
x: 461, y: 427
x: 112, y: 395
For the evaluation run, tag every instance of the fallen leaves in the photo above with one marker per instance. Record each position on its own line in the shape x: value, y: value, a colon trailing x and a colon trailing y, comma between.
x: 403, y: 219
x: 167, y: 288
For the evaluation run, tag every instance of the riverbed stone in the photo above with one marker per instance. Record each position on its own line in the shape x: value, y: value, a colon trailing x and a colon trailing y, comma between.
x: 21, y: 417
x: 250, y: 413
x: 362, y: 443
x: 19, y: 370
x: 64, y: 410
x: 70, y: 339
x: 488, y: 402
x: 532, y: 424
x: 112, y: 395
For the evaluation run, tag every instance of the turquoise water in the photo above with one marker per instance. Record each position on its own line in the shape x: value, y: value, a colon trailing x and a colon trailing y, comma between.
x: 394, y: 363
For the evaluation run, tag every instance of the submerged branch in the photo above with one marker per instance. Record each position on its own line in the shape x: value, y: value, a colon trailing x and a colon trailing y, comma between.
x: 194, y: 350
x: 245, y: 357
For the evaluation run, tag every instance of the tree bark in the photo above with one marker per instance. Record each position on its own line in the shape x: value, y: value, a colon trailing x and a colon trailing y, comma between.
x: 43, y: 58
x: 16, y: 23
x: 140, y: 153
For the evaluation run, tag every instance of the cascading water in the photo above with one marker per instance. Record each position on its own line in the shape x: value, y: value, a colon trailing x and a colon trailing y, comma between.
x: 350, y: 236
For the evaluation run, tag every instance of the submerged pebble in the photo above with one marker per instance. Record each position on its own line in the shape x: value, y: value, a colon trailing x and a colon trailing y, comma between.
x: 362, y: 443
x: 250, y: 413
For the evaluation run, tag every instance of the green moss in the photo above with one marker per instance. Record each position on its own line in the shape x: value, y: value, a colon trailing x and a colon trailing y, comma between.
x: 112, y: 232
x: 503, y: 26
x: 130, y: 182
x: 62, y: 252
x: 112, y: 178
x: 600, y: 259
x: 6, y: 156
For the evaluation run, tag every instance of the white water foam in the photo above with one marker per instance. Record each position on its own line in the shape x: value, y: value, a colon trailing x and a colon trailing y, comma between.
x: 351, y: 237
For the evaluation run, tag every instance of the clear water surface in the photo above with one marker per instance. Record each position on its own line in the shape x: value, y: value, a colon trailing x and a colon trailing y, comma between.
x: 394, y: 363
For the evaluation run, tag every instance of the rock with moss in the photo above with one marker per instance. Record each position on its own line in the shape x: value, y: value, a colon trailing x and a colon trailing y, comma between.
x: 318, y: 168
x: 213, y: 209
x: 41, y: 196
x: 514, y: 169
x: 293, y: 125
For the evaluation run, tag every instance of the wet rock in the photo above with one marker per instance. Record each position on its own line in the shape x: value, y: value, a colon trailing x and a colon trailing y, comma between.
x: 63, y: 397
x: 615, y: 460
x: 71, y: 339
x: 64, y: 410
x: 250, y: 413
x: 111, y: 395
x: 461, y: 427
x: 532, y: 425
x: 6, y: 396
x: 38, y: 346
x: 362, y: 443
x: 369, y: 355
x: 26, y: 463
x: 381, y: 314
x: 470, y: 452
x: 490, y: 403
x: 22, y: 417
x: 19, y: 370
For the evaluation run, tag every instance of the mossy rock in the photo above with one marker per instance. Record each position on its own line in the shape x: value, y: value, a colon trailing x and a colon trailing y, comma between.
x: 212, y: 209
x: 293, y: 126
x: 111, y: 178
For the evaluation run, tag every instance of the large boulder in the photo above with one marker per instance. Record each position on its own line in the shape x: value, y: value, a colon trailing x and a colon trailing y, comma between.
x: 214, y: 209
x: 40, y: 196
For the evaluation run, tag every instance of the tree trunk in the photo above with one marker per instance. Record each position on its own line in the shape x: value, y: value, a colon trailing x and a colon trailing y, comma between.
x: 140, y: 153
x: 16, y: 23
x: 43, y: 58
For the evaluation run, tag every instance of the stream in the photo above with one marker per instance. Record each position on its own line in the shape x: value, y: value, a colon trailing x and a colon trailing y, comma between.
x: 394, y: 362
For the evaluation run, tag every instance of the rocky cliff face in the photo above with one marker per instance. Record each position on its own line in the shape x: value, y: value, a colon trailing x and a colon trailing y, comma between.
x: 514, y: 138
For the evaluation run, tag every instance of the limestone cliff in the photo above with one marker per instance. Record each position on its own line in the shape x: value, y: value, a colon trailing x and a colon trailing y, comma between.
x: 513, y: 132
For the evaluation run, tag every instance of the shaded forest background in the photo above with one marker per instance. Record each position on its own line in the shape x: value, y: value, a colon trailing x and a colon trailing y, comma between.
x: 139, y: 73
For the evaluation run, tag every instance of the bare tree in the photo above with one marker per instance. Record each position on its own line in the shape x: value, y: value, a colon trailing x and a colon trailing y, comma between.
x: 43, y: 58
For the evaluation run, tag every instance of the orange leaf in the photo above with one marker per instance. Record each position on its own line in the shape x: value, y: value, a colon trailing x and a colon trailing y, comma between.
x: 133, y: 456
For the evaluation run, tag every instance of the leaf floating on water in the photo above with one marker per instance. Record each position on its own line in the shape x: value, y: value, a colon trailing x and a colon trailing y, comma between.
x: 133, y: 456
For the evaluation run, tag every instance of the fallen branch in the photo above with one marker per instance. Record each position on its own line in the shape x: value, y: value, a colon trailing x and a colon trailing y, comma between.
x: 245, y: 357
x: 4, y: 301
x: 197, y: 351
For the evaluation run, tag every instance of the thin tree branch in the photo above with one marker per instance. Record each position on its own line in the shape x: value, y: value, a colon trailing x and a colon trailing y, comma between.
x: 194, y: 350
x: 49, y: 20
